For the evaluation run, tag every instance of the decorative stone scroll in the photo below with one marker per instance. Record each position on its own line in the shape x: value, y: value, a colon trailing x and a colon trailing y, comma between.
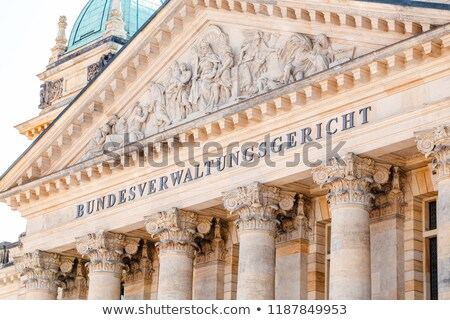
x: 139, y: 266
x: 106, y: 250
x: 217, y: 72
x: 258, y: 206
x: 212, y: 246
x: 50, y: 91
x: 435, y: 143
x: 177, y: 230
x: 390, y: 201
x: 72, y: 279
x: 39, y: 270
x: 351, y: 179
x: 295, y: 223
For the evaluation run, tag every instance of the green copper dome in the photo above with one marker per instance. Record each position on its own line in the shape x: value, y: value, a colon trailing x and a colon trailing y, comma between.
x: 91, y: 24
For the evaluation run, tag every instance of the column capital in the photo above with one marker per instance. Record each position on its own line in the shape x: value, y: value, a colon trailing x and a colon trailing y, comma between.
x: 212, y: 247
x: 72, y: 278
x: 39, y: 270
x: 295, y: 225
x: 435, y: 143
x: 350, y: 179
x: 176, y: 229
x: 390, y: 201
x: 139, y: 266
x: 258, y: 205
x: 105, y: 250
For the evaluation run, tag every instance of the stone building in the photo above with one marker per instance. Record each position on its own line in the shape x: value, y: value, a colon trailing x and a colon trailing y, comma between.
x: 231, y: 149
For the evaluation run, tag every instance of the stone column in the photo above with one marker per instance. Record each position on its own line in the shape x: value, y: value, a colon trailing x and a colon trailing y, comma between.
x: 258, y: 206
x: 292, y: 244
x: 105, y: 251
x: 39, y: 272
x: 209, y: 266
x: 350, y: 181
x: 137, y: 284
x: 387, y: 242
x: 435, y: 143
x: 176, y: 230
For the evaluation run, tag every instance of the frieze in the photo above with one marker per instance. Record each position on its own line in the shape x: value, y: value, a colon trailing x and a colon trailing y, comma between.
x: 217, y: 71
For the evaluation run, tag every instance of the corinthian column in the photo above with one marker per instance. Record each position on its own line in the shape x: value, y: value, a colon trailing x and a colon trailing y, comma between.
x: 105, y: 251
x: 349, y: 182
x: 435, y: 143
x: 39, y: 271
x: 257, y: 206
x: 176, y: 230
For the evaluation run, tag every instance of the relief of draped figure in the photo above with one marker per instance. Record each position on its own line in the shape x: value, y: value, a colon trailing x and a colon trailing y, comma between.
x: 211, y: 81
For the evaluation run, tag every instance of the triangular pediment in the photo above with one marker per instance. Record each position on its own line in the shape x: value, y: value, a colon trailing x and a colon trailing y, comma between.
x: 196, y: 58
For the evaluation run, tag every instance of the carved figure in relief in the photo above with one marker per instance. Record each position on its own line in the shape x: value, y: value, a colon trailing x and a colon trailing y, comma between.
x: 253, y: 61
x: 136, y: 122
x: 95, y: 146
x: 322, y: 54
x: 223, y: 75
x: 295, y: 58
x: 178, y: 91
x: 205, y: 91
x: 157, y: 108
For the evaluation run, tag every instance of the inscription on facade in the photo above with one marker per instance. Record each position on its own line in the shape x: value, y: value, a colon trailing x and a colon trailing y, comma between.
x: 275, y: 145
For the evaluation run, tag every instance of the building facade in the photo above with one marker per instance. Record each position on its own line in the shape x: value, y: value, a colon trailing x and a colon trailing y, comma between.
x: 230, y: 149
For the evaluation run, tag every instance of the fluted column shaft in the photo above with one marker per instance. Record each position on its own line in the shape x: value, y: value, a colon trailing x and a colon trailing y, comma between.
x: 349, y: 183
x: 257, y: 206
x: 435, y: 143
x: 176, y: 230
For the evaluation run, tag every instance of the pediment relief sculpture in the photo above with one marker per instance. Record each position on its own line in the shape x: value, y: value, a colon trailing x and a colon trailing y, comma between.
x: 215, y: 72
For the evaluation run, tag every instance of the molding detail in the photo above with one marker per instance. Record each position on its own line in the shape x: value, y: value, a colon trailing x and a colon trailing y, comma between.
x: 212, y: 247
x: 176, y: 229
x: 95, y: 68
x: 211, y: 79
x: 258, y: 206
x: 295, y: 224
x: 50, y: 91
x: 73, y: 279
x: 435, y: 143
x: 351, y: 179
x: 39, y: 270
x: 139, y: 266
x: 104, y: 249
x: 390, y: 201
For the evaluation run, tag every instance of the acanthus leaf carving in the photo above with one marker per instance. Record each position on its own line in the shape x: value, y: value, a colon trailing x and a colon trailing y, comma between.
x: 104, y: 249
x: 212, y: 246
x: 39, y: 270
x: 258, y: 206
x: 435, y: 143
x: 176, y: 229
x: 350, y: 179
